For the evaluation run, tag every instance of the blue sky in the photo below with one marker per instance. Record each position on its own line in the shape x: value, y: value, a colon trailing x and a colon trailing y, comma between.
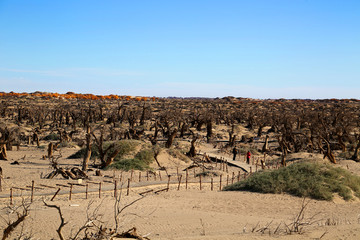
x: 203, y: 48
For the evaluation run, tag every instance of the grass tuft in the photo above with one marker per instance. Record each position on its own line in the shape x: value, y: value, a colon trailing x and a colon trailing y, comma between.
x: 317, y: 181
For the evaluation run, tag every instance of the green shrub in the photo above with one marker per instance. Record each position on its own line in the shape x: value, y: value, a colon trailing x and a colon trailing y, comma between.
x: 318, y: 181
x: 128, y: 164
x: 141, y: 161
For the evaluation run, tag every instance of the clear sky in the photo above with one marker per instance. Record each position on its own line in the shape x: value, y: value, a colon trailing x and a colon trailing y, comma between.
x: 203, y: 48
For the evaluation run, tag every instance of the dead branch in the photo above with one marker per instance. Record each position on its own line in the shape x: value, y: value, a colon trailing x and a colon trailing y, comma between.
x: 12, y: 225
x: 62, y: 221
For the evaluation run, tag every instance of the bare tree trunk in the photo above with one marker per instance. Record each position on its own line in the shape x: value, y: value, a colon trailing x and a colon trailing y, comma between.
x: 329, y: 154
x: 110, y: 158
x: 266, y: 144
x: 342, y: 144
x: 50, y: 150
x: 209, y: 131
x: 355, y: 157
x: 36, y: 139
x: 88, y: 151
x: 192, y: 152
x: 3, y: 154
x: 171, y: 139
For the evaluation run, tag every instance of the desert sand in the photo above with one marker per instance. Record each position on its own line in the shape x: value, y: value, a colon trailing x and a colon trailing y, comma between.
x: 175, y: 214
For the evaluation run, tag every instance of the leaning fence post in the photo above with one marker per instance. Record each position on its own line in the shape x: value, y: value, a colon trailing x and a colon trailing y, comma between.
x: 32, y: 190
x: 70, y: 191
x: 52, y: 199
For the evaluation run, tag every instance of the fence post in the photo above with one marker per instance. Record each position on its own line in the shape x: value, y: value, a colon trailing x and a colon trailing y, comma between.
x: 99, y: 189
x: 128, y: 187
x: 200, y: 181
x: 168, y: 183
x: 32, y: 190
x: 115, y: 189
x: 179, y: 182
x: 52, y: 199
x: 220, y: 182
x: 11, y: 196
x: 70, y: 191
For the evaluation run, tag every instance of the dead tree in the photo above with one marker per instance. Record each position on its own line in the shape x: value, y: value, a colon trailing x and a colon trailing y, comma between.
x: 87, y: 155
x: 328, y: 153
x: 3, y: 153
x: 232, y: 137
x: 20, y: 218
x: 62, y: 220
x: 284, y: 150
x: 192, y: 152
x: 266, y: 145
x: 50, y: 150
x: 209, y: 130
x: 171, y: 138
x: 355, y: 156
x: 110, y: 158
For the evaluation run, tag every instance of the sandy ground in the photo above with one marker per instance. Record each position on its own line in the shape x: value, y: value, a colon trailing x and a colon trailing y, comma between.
x: 175, y: 214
